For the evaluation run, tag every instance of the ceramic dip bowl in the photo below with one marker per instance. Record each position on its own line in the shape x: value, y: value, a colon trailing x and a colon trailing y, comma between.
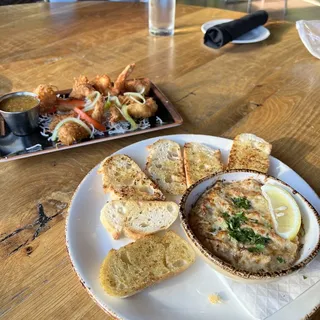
x: 310, y: 222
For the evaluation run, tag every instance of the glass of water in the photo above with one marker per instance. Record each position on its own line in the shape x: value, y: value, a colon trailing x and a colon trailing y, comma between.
x: 161, y: 17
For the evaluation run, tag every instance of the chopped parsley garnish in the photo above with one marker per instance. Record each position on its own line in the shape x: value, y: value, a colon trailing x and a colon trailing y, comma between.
x: 235, y: 221
x: 305, y: 277
x: 241, y: 202
x: 281, y: 260
x: 244, y: 235
x: 248, y: 236
x: 258, y: 248
x: 225, y: 215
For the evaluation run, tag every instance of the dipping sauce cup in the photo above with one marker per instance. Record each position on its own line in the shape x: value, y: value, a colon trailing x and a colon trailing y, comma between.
x: 20, y: 111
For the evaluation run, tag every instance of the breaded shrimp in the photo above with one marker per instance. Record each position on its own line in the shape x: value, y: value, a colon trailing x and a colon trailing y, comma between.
x: 47, y: 97
x: 102, y: 84
x: 98, y: 111
x: 137, y: 110
x: 115, y: 115
x: 119, y: 84
x: 138, y: 85
x: 70, y: 132
x: 81, y: 88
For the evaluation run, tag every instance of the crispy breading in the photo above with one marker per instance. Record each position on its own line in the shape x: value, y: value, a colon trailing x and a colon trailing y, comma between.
x: 70, y: 132
x: 47, y: 97
x: 137, y: 110
x: 81, y: 88
x: 98, y: 111
x: 102, y: 84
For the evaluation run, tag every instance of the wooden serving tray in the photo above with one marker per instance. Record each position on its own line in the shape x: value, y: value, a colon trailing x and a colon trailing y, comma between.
x: 13, y: 147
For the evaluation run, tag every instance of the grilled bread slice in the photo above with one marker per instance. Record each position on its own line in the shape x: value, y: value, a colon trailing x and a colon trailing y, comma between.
x: 249, y: 152
x: 143, y: 263
x: 165, y: 166
x: 137, y: 218
x: 123, y: 177
x: 200, y: 161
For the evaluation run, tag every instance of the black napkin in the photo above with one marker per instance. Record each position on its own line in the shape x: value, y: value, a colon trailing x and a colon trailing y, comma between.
x: 221, y: 34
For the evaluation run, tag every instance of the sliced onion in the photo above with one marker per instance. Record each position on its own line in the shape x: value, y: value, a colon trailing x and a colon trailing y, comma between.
x: 124, y: 111
x: 116, y: 100
x: 92, y: 131
x: 62, y: 122
x: 132, y: 95
x: 142, y: 90
x: 91, y: 105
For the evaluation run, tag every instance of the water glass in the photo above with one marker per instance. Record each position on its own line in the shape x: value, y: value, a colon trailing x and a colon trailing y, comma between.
x: 161, y: 17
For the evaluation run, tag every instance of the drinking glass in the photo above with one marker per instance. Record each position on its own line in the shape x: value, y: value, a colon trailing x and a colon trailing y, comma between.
x: 161, y: 17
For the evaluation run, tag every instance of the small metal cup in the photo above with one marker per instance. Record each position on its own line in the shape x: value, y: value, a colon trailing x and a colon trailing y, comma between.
x: 24, y: 122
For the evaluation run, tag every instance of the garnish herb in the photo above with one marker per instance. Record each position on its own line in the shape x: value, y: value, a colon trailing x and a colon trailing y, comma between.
x: 248, y: 236
x: 281, y: 260
x: 225, y: 215
x: 258, y: 248
x: 235, y: 221
x: 244, y: 235
x: 241, y: 202
x: 305, y: 277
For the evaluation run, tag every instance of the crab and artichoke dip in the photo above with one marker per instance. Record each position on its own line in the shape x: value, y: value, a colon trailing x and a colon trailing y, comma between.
x: 233, y: 221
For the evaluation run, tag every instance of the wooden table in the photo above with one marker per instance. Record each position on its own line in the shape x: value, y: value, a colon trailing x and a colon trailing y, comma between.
x: 270, y: 88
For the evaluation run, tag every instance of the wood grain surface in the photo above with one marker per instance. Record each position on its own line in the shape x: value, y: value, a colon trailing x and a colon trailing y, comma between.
x: 270, y: 88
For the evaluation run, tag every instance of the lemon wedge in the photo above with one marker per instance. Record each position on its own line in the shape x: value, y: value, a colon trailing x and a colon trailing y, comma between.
x: 284, y: 209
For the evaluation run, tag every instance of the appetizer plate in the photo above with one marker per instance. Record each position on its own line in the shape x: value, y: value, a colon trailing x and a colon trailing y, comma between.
x: 16, y: 147
x: 186, y: 295
x: 256, y: 35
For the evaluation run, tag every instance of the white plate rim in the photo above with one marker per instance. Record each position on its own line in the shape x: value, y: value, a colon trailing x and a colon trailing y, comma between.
x: 101, y: 304
x: 260, y: 38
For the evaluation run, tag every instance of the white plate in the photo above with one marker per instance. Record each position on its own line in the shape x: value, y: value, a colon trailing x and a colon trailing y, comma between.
x: 182, y: 297
x: 256, y: 35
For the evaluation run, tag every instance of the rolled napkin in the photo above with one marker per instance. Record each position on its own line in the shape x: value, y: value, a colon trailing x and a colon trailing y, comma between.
x: 221, y: 34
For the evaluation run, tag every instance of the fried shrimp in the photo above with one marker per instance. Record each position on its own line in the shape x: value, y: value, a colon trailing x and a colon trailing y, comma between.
x: 47, y: 97
x: 119, y: 84
x: 70, y: 132
x: 96, y: 104
x: 135, y: 110
x: 98, y: 111
x: 115, y: 115
x: 138, y: 85
x: 81, y: 88
x: 147, y: 110
x: 102, y: 84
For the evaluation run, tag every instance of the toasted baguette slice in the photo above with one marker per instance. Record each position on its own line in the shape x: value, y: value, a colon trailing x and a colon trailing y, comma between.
x: 165, y: 166
x: 249, y: 152
x: 200, y: 161
x: 113, y: 216
x: 123, y: 177
x: 148, y: 217
x: 143, y: 263
x: 137, y: 218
